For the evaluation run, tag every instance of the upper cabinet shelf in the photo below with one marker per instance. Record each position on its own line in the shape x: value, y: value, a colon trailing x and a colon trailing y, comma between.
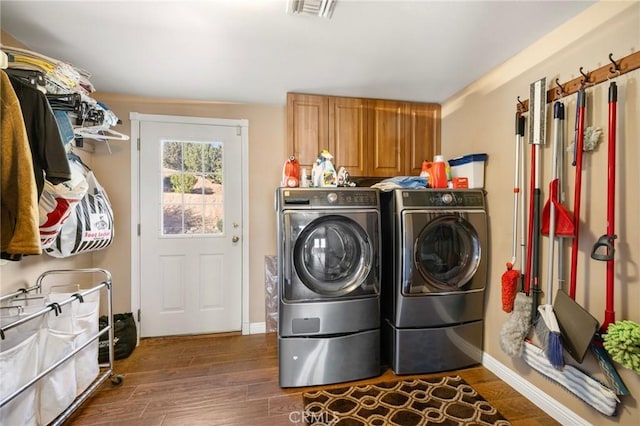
x: 369, y: 137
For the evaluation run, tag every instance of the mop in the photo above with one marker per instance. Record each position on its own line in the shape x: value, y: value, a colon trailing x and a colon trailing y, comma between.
x: 517, y: 326
x: 607, y: 241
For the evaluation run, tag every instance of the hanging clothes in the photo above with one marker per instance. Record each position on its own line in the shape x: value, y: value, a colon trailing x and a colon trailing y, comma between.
x: 19, y: 233
x: 47, y: 149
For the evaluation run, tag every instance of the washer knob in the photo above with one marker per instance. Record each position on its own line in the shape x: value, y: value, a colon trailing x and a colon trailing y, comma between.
x: 332, y: 197
x: 447, y: 198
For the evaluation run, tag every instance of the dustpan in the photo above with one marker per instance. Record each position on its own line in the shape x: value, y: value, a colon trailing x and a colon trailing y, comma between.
x: 564, y: 221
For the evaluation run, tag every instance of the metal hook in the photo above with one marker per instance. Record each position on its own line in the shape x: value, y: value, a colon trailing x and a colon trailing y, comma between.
x: 521, y: 106
x: 615, y: 64
x: 586, y: 78
x: 560, y: 90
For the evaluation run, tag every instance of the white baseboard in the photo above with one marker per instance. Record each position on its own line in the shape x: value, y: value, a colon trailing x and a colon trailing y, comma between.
x: 257, y: 328
x: 550, y: 406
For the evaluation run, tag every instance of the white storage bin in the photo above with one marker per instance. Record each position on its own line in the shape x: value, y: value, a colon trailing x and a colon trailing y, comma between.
x: 470, y: 166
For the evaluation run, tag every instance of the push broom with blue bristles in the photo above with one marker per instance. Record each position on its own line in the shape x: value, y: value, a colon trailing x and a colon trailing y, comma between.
x: 546, y: 326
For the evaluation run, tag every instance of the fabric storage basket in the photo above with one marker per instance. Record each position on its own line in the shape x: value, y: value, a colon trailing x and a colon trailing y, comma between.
x: 80, y: 318
x: 56, y: 390
x: 18, y: 365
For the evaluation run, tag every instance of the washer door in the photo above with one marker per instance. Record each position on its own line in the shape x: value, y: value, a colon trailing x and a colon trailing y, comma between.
x: 333, y: 256
x: 446, y: 254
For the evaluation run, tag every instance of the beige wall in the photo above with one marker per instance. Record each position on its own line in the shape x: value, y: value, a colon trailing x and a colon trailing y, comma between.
x: 266, y: 154
x: 481, y: 119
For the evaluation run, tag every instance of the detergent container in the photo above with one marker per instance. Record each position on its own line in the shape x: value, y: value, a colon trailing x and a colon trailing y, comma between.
x: 291, y: 173
x: 435, y: 172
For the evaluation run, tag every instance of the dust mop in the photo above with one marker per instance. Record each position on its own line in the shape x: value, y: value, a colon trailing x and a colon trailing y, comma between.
x: 573, y: 380
x: 517, y: 326
x: 510, y: 276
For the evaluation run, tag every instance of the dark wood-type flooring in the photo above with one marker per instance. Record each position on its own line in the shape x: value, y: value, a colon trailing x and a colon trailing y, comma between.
x: 233, y: 380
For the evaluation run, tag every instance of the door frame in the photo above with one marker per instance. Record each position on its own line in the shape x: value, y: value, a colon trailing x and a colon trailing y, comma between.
x: 243, y: 124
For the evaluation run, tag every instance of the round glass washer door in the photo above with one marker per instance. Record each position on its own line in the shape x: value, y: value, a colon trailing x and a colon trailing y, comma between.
x: 447, y: 252
x: 333, y: 255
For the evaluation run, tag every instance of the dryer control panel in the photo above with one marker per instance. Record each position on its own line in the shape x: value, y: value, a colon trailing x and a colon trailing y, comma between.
x: 441, y: 198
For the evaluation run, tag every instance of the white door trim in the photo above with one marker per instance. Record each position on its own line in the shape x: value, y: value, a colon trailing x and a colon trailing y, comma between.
x: 135, y: 118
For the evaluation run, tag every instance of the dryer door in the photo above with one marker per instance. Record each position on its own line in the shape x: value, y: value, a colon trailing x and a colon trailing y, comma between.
x: 330, y: 255
x: 444, y: 252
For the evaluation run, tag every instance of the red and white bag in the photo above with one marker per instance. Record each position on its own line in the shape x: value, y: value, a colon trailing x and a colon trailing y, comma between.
x: 89, y: 227
x: 57, y: 202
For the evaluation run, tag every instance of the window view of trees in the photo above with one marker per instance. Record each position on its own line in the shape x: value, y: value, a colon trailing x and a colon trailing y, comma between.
x: 192, y: 187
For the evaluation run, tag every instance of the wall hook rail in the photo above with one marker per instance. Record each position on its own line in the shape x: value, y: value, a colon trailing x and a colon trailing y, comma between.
x: 521, y: 106
x: 620, y: 66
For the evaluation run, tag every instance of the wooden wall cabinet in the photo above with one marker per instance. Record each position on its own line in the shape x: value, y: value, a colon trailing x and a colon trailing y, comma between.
x: 369, y: 137
x: 307, y: 126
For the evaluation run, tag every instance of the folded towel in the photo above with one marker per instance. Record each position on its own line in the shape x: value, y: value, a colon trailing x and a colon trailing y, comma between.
x: 390, y: 184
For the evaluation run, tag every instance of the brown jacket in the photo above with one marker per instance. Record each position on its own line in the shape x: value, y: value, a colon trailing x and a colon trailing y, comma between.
x: 19, y: 233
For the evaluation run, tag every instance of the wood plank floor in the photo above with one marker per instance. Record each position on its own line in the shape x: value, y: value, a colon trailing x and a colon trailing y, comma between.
x: 233, y: 380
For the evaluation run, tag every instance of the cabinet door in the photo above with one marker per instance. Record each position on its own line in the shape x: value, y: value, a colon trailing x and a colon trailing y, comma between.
x: 347, y: 134
x: 423, y: 140
x: 307, y: 126
x: 386, y: 138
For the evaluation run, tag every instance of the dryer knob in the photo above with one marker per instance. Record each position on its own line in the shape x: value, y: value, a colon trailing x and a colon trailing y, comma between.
x: 447, y: 198
x: 332, y: 197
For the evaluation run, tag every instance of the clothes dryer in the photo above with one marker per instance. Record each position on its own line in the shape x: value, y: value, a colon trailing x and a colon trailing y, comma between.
x: 434, y: 278
x: 329, y: 285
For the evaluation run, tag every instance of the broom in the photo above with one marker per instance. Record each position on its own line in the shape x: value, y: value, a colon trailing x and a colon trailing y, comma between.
x: 546, y: 326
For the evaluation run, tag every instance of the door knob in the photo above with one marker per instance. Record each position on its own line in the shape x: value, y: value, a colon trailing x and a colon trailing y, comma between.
x: 235, y: 239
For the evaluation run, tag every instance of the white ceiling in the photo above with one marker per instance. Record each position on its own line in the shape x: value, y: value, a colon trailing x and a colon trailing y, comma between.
x: 253, y: 51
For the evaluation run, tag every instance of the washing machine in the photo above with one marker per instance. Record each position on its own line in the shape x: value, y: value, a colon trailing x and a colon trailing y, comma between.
x: 434, y: 278
x: 329, y: 285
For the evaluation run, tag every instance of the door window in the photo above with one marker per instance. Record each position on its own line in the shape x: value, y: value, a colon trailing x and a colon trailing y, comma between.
x: 192, y: 188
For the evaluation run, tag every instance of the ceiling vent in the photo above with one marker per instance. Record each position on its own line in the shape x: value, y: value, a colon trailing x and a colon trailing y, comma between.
x: 321, y: 8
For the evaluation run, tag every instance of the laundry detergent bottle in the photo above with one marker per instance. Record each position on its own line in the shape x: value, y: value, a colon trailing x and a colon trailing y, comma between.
x: 438, y: 172
x: 291, y: 173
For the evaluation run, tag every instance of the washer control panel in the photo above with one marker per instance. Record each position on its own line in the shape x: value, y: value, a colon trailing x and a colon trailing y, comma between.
x: 329, y: 197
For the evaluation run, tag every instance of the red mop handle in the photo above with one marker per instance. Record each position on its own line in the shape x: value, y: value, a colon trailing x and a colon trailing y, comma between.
x: 576, y: 199
x: 609, y: 313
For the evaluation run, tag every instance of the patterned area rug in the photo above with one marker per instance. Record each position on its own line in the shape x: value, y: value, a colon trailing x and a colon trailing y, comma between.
x: 445, y: 400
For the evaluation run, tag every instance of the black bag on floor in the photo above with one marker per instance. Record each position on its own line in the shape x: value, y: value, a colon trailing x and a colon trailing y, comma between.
x: 124, y: 337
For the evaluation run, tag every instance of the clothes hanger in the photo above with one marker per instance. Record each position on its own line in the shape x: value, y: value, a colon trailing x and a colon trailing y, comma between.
x: 100, y: 133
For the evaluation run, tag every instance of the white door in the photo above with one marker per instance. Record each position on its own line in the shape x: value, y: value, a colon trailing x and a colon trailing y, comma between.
x: 190, y: 206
